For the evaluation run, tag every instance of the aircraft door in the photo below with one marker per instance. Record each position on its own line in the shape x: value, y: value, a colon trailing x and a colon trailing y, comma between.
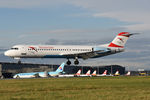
x: 23, y: 51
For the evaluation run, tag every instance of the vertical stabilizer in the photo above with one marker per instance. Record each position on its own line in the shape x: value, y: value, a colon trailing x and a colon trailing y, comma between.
x: 105, y: 73
x: 60, y: 68
x: 88, y: 72
x: 128, y: 74
x: 94, y: 73
x: 78, y: 73
x: 120, y: 40
x: 117, y: 73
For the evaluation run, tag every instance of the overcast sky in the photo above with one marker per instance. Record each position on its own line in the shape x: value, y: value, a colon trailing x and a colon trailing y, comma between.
x: 79, y: 22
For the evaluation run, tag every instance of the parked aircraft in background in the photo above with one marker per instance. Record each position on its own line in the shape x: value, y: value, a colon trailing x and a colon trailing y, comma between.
x: 87, y: 74
x: 41, y: 74
x: 71, y: 75
x: 69, y: 51
x: 117, y: 73
x: 128, y: 73
x: 78, y: 73
x: 104, y: 73
x: 94, y: 73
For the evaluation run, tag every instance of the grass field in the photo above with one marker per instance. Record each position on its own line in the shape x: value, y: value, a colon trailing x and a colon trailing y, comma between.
x: 82, y: 88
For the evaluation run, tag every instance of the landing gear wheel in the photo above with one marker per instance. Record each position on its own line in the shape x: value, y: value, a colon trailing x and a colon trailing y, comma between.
x: 68, y: 62
x: 19, y: 62
x: 76, y: 62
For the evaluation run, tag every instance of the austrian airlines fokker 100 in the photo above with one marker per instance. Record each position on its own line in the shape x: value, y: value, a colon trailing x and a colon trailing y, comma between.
x: 69, y: 51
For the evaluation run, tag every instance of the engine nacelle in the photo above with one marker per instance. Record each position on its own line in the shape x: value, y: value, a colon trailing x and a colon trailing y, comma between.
x: 116, y: 50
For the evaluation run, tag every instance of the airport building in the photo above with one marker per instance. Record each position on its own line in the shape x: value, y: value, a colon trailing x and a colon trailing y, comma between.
x: 7, y: 70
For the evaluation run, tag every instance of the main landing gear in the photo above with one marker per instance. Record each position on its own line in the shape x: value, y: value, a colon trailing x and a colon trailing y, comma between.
x: 76, y: 62
x: 19, y: 61
x: 68, y: 62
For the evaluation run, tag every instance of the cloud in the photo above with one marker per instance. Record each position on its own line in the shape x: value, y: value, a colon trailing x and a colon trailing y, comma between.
x: 98, y: 32
x: 134, y: 12
x: 111, y: 5
x: 76, y: 42
x: 138, y: 27
x: 65, y: 31
x: 2, y: 50
x: 139, y: 22
x: 78, y: 34
x: 29, y: 3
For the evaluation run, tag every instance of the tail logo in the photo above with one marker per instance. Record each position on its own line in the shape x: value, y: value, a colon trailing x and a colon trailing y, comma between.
x: 33, y: 48
x: 121, y: 39
x: 60, y: 68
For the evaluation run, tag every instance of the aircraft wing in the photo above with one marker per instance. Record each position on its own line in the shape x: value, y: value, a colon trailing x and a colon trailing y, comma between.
x: 96, y: 51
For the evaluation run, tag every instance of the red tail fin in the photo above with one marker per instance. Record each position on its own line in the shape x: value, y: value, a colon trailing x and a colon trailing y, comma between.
x: 120, y: 40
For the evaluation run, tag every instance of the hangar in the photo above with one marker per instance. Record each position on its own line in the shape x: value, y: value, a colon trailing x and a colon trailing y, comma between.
x: 7, y: 69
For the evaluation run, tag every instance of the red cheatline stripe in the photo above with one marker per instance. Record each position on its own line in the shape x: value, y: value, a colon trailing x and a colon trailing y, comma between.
x: 114, y: 45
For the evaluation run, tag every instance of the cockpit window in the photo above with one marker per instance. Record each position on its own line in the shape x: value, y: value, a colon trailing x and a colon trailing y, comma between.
x: 14, y: 48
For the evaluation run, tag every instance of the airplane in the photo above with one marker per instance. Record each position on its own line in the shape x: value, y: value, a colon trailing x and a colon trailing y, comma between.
x: 94, y: 73
x: 104, y: 73
x: 128, y: 73
x: 87, y: 74
x: 117, y: 73
x: 69, y: 51
x: 78, y: 73
x: 72, y: 75
x: 41, y: 74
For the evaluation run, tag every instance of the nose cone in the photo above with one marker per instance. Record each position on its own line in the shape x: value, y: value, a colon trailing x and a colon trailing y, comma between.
x: 7, y: 53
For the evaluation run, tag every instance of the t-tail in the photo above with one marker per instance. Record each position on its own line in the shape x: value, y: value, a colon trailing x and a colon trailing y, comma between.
x: 88, y: 72
x: 120, y: 40
x: 78, y: 73
x: 117, y: 73
x: 94, y: 73
x: 105, y: 73
x: 60, y: 68
x: 128, y: 74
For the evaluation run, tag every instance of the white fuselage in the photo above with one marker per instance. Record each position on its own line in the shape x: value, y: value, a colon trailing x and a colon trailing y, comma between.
x: 47, y: 51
